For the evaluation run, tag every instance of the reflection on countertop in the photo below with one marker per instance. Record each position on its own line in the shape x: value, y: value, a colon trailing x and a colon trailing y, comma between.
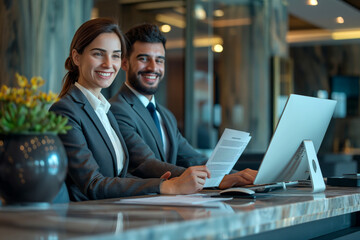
x: 230, y: 219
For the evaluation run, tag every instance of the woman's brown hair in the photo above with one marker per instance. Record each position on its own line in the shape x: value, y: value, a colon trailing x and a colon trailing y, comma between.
x: 85, y: 34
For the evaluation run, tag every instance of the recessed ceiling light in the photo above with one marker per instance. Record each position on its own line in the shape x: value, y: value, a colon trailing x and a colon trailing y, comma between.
x: 312, y: 2
x: 200, y: 12
x: 165, y: 28
x: 339, y: 20
x: 218, y: 13
x: 217, y: 48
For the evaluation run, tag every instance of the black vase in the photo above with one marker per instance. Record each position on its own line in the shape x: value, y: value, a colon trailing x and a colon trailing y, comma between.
x: 32, y: 168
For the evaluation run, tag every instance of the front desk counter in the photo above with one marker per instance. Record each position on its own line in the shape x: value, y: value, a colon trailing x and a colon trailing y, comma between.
x: 280, y: 215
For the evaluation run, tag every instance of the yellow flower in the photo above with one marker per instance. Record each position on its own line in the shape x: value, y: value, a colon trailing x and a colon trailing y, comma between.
x: 18, y: 100
x: 27, y: 104
x: 48, y: 98
x: 12, y: 95
x: 4, y: 89
x: 37, y: 82
x: 52, y: 97
x: 20, y: 92
x: 4, y: 92
x: 22, y: 80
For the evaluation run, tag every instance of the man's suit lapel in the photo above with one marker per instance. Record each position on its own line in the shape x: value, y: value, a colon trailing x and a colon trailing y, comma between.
x: 144, y: 115
x: 79, y: 97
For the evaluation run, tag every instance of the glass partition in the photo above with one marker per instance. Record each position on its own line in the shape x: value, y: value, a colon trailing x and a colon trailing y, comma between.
x: 217, y: 63
x: 229, y: 63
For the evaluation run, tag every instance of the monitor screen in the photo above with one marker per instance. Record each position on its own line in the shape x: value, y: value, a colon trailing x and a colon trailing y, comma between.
x: 345, y: 89
x: 303, y: 118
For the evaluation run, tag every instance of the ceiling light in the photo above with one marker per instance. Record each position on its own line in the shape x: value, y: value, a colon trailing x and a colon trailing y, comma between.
x: 302, y: 36
x: 165, y: 28
x: 308, y: 36
x: 339, y: 20
x: 171, y: 19
x: 217, y: 48
x: 312, y: 2
x: 200, y: 12
x: 218, y: 13
x: 207, y: 41
x: 198, y: 42
x: 231, y: 22
x: 349, y: 34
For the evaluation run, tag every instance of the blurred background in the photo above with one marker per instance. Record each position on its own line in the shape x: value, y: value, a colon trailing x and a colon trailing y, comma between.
x: 229, y: 63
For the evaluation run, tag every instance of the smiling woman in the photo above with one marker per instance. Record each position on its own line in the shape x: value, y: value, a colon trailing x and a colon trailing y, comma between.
x: 99, y: 63
x: 97, y: 154
x: 99, y: 50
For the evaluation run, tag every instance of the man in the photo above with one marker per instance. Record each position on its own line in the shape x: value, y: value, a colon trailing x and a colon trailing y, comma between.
x: 157, y: 135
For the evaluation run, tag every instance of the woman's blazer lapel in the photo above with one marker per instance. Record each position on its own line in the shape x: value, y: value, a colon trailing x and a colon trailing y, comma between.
x: 80, y: 98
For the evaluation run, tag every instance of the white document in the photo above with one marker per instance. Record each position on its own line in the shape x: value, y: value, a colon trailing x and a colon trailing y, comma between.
x: 179, y: 200
x: 226, y: 153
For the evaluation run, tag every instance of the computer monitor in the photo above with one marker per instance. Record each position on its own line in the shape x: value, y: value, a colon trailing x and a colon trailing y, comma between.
x: 303, y: 118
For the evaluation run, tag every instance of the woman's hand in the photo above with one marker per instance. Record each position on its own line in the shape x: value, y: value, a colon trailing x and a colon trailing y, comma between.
x: 191, y: 181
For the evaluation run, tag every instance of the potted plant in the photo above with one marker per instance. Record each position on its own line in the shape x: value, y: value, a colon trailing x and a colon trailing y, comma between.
x: 33, y: 160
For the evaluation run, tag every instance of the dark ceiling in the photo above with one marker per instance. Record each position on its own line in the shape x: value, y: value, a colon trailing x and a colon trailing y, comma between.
x: 299, y: 24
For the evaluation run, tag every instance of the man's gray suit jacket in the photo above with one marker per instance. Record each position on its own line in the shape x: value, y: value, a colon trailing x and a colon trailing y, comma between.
x: 141, y: 135
x: 92, y: 165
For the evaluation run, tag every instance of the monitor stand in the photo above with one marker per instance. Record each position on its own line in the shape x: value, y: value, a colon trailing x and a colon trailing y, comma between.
x: 307, y: 150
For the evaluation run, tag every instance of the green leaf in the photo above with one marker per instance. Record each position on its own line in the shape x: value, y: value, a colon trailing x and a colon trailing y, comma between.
x: 38, y: 127
x: 21, y: 120
x: 12, y: 111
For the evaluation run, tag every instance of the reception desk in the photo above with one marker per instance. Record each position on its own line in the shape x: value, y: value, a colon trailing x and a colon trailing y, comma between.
x: 282, y: 214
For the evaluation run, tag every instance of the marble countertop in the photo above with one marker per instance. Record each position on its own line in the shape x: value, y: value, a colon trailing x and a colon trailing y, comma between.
x: 231, y: 219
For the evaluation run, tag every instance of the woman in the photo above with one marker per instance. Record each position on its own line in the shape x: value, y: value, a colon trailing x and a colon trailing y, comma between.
x: 97, y: 155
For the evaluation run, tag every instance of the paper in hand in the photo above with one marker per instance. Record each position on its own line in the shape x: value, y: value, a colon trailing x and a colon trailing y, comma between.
x: 226, y: 153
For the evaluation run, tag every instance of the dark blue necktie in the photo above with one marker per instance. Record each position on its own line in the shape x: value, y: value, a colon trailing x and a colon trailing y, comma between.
x: 152, y: 111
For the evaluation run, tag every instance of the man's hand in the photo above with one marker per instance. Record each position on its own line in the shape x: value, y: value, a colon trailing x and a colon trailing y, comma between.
x: 244, y: 177
x: 191, y: 181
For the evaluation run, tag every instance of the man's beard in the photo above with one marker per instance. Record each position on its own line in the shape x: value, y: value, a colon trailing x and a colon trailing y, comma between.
x: 136, y: 83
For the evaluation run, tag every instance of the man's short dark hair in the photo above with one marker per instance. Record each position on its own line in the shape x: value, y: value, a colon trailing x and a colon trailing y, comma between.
x: 149, y: 33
